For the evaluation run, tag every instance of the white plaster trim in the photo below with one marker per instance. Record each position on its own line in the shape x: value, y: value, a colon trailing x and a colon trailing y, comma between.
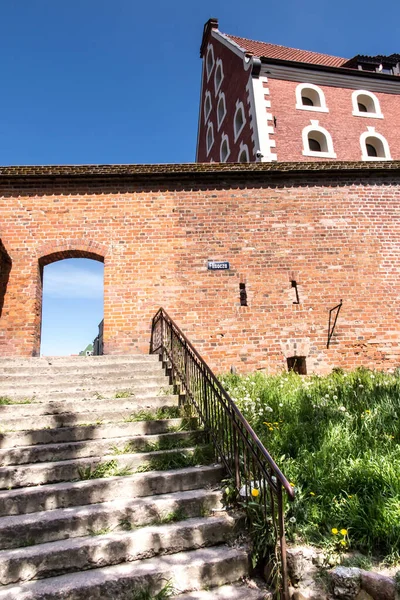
x: 243, y: 148
x: 363, y: 143
x: 221, y: 98
x: 208, y: 147
x: 207, y: 113
x: 218, y: 65
x: 233, y: 47
x: 236, y: 133
x: 310, y: 86
x: 306, y: 148
x: 261, y: 128
x: 199, y: 125
x: 377, y: 114
x: 210, y: 49
x: 224, y: 138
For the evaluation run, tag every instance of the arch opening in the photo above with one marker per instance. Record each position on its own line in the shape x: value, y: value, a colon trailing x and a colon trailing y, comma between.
x: 5, y: 269
x: 71, y: 299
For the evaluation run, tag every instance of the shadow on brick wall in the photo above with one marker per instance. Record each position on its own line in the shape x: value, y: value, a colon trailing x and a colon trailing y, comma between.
x: 5, y: 268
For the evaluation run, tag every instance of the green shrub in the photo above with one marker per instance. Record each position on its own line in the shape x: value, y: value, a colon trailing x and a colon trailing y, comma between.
x: 336, y: 438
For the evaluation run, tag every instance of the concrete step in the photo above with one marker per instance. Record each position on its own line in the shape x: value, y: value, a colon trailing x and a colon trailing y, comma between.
x: 203, y: 568
x: 79, y: 370
x: 64, y: 495
x: 68, y: 419
x: 76, y: 361
x: 116, y: 515
x: 236, y: 591
x: 71, y: 450
x: 54, y: 407
x: 91, y: 552
x: 90, y: 388
x: 80, y: 433
x: 18, y: 476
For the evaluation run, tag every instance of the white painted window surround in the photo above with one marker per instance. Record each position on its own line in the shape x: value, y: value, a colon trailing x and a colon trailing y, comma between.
x: 243, y: 156
x: 314, y: 93
x: 378, y: 141
x: 209, y: 137
x: 371, y: 103
x: 224, y: 150
x: 239, y: 120
x: 210, y: 62
x: 221, y: 109
x: 218, y: 75
x: 207, y: 105
x: 322, y: 136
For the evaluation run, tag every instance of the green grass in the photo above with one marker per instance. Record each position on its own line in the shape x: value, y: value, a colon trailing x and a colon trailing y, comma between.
x: 203, y: 455
x: 102, y: 531
x: 5, y: 401
x: 166, y: 412
x: 164, y: 443
x: 336, y: 438
x: 101, y: 470
x: 145, y: 593
x: 124, y: 394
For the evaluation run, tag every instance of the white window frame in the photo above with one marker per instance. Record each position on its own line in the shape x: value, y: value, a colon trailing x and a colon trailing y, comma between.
x: 371, y: 133
x: 218, y: 65
x: 306, y: 147
x: 372, y: 115
x: 236, y: 133
x: 207, y: 113
x: 210, y: 50
x: 221, y: 98
x: 243, y: 148
x: 208, y: 147
x: 310, y: 86
x: 224, y: 138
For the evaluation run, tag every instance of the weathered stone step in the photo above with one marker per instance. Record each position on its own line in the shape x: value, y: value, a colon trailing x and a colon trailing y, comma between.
x: 53, y: 407
x: 80, y: 493
x: 91, y: 552
x: 207, y: 567
x: 74, y: 361
x: 59, y: 524
x: 89, y: 432
x: 237, y: 591
x: 85, y: 389
x: 80, y: 370
x: 71, y: 450
x: 79, y: 468
x: 68, y: 419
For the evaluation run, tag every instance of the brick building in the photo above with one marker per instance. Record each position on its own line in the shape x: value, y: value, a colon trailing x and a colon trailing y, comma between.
x: 264, y: 102
x: 299, y: 238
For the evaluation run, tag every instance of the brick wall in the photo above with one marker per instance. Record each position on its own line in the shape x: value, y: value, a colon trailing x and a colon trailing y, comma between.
x: 344, y: 128
x: 338, y: 233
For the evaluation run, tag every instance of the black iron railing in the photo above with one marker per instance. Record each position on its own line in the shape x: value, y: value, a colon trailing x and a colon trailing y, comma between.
x: 248, y: 463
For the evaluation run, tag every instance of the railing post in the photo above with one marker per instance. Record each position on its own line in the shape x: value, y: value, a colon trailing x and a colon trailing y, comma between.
x: 162, y: 325
x: 282, y: 542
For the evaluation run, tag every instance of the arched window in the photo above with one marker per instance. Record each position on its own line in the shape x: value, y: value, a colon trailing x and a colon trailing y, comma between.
x: 210, y: 137
x: 310, y: 97
x: 221, y: 109
x: 243, y: 153
x: 374, y: 146
x: 209, y: 61
x: 239, y: 120
x: 366, y: 104
x: 218, y: 76
x: 317, y: 141
x: 207, y: 106
x: 224, y: 148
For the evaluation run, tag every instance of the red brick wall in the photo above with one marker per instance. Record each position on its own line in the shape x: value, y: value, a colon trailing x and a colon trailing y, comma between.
x: 344, y: 128
x: 234, y: 88
x: 340, y: 236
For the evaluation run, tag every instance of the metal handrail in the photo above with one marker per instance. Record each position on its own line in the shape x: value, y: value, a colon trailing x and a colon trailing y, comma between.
x: 237, y: 445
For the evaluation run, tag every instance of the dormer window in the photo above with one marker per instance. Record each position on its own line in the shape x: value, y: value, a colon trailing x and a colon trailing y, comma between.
x: 207, y: 106
x: 218, y: 76
x: 221, y: 109
x: 209, y: 61
x: 310, y: 97
x: 374, y: 146
x: 366, y: 104
x: 239, y: 120
x: 317, y: 141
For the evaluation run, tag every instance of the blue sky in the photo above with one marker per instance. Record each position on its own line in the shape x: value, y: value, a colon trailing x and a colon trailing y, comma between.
x: 95, y: 81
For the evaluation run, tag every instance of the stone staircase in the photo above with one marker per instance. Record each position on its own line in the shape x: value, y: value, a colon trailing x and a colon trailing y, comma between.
x: 106, y: 491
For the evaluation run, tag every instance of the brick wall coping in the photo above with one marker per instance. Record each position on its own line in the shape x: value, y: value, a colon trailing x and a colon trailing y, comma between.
x: 195, y: 169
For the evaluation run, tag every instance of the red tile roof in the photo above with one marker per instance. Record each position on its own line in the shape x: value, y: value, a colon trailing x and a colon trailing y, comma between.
x: 263, y: 49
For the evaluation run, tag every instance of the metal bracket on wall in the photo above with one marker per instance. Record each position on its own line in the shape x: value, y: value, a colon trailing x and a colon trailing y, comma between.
x: 331, y: 328
x: 294, y: 285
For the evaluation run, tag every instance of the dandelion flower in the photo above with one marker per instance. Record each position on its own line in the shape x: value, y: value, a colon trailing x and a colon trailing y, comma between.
x: 334, y: 531
x: 335, y: 397
x: 343, y: 542
x: 292, y: 484
x: 312, y: 494
x: 343, y: 531
x: 255, y: 493
x: 342, y: 408
x: 292, y: 520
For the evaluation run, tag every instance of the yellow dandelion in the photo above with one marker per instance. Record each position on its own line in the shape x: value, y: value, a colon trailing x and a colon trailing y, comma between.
x: 350, y: 496
x: 334, y: 531
x: 312, y: 494
x: 292, y: 484
x: 343, y: 531
x: 343, y: 542
x: 270, y: 428
x: 255, y: 493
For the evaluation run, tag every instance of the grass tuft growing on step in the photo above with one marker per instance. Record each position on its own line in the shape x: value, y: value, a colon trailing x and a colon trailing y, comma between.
x: 107, y: 469
x: 166, y: 412
x: 124, y: 394
x: 5, y: 401
x: 145, y: 593
x: 337, y: 439
x: 167, y: 443
x: 203, y: 455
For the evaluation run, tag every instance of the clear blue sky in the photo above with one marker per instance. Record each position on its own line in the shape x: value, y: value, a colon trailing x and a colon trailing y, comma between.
x: 96, y: 81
